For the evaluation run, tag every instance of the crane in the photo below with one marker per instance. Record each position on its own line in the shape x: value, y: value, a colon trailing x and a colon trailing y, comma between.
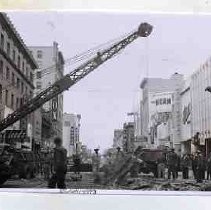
x: 73, y: 77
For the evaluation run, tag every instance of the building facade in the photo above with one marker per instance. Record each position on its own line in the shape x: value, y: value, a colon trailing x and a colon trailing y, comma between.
x: 16, y: 77
x: 161, y: 108
x: 71, y: 133
x: 201, y: 107
x: 118, y: 138
x: 51, y: 69
x: 128, y: 137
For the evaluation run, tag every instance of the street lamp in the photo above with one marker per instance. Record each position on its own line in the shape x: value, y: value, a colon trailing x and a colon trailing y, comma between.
x: 208, y: 89
x: 96, y: 151
x: 118, y: 149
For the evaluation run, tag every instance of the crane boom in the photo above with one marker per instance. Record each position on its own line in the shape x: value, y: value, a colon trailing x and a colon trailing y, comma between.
x: 70, y: 79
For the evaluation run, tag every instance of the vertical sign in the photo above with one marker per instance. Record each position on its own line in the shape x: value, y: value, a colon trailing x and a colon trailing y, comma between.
x: 54, y: 108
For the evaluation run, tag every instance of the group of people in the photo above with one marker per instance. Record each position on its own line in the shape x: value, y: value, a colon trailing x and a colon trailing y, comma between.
x: 174, y: 163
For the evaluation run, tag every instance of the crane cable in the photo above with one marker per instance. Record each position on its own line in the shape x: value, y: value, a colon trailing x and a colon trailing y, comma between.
x: 75, y: 59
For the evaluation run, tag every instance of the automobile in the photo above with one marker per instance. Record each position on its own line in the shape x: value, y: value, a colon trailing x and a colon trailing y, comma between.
x: 16, y: 162
x: 5, y: 158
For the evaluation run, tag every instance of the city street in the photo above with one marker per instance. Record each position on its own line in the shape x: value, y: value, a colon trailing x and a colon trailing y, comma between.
x: 143, y: 182
x: 38, y: 182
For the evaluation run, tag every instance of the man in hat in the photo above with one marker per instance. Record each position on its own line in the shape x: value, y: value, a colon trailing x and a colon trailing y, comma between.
x: 59, y: 165
x: 172, y: 163
x: 200, y: 167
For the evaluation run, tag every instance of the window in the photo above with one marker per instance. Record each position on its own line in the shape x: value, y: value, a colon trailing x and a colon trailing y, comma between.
x: 13, y: 55
x: 26, y: 90
x: 31, y: 77
x: 6, y: 97
x: 0, y: 93
x: 19, y: 62
x: 23, y: 67
x: 13, y: 79
x: 8, y: 73
x: 27, y: 72
x: 12, y: 100
x: 39, y: 75
x: 39, y: 64
x: 8, y: 48
x: 18, y: 83
x: 1, y: 67
x: 39, y: 85
x: 39, y: 54
x: 2, y: 41
x: 17, y: 103
x: 21, y: 101
x: 66, y: 123
x: 21, y: 87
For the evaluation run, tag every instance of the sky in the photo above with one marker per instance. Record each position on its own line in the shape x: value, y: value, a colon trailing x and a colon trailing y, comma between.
x: 178, y: 43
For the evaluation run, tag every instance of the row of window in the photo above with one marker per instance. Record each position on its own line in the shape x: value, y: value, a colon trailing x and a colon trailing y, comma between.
x: 39, y: 54
x: 10, y: 99
x: 15, y: 58
x: 15, y: 81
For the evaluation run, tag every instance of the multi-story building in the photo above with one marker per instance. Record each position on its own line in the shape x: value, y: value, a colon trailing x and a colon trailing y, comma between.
x: 161, y: 101
x: 201, y: 106
x: 51, y: 69
x: 16, y: 76
x: 118, y: 138
x: 71, y: 133
x: 128, y: 137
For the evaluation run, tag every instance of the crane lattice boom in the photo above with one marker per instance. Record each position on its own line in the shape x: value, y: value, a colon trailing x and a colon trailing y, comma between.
x: 70, y: 79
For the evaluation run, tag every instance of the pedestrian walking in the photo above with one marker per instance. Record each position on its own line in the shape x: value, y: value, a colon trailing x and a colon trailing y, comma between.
x: 161, y: 167
x: 59, y: 165
x: 172, y: 163
x: 209, y: 167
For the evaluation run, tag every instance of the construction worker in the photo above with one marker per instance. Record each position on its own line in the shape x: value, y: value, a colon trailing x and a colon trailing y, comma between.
x: 200, y: 167
x: 185, y: 164
x: 172, y: 163
x: 59, y: 165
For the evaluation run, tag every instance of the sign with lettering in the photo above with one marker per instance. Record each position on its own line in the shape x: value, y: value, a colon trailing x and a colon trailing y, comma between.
x: 55, y: 108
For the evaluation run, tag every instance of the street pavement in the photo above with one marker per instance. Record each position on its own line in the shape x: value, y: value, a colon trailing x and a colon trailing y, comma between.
x: 87, y: 182
x: 143, y: 182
